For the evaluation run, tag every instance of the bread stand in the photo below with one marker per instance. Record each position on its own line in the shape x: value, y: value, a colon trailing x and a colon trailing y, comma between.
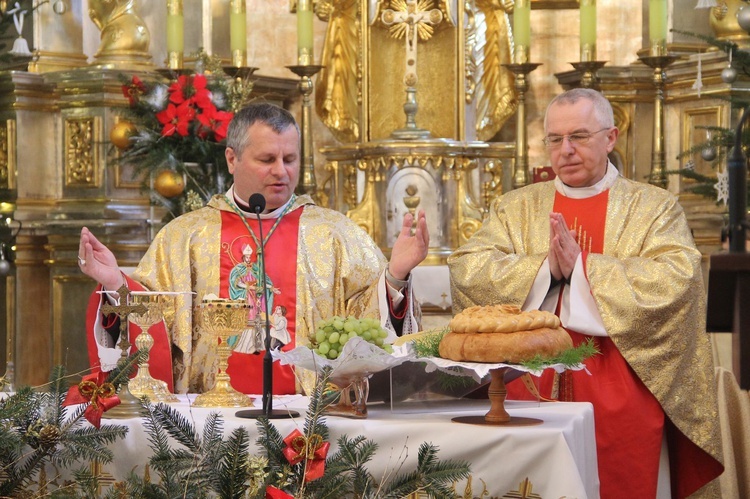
x: 497, y: 415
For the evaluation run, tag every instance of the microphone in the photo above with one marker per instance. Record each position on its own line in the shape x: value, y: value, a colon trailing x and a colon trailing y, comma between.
x: 257, y: 203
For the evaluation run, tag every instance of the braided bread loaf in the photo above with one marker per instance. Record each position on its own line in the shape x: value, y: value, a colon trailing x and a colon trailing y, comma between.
x: 503, y: 333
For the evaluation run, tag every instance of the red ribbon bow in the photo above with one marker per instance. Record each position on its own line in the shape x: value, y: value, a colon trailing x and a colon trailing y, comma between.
x: 274, y: 493
x: 313, y: 449
x: 101, y: 396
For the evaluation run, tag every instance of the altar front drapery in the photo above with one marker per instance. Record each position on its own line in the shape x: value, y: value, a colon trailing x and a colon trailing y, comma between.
x: 557, y: 457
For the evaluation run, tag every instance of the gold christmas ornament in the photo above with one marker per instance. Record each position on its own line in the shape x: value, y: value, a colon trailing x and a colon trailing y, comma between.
x: 120, y: 134
x: 169, y: 183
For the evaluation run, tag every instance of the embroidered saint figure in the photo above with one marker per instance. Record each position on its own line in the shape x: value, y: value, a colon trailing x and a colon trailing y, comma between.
x: 279, y: 333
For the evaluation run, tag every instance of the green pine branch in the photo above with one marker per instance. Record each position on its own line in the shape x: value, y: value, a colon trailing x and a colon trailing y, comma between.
x: 350, y: 463
x: 177, y: 426
x: 234, y: 471
x: 88, y: 444
x: 432, y: 476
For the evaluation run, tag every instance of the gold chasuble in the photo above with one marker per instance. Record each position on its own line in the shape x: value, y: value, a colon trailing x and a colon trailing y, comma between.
x: 644, y: 273
x: 319, y: 264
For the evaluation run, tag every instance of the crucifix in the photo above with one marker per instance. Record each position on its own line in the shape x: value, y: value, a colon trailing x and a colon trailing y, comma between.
x: 412, y: 21
x: 129, y: 406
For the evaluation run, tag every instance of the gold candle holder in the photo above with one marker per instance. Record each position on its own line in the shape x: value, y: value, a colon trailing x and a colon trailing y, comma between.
x: 222, y: 318
x: 143, y: 384
x: 588, y: 52
x: 589, y: 70
x: 659, y: 64
x: 307, y: 183
x: 242, y: 83
x: 129, y: 406
x: 521, y: 168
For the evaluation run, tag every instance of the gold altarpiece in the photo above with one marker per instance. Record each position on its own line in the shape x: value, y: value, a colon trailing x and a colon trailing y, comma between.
x: 414, y: 92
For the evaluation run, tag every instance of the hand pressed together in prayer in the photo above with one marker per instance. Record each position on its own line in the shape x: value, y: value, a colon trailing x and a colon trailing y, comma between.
x: 563, y: 247
x: 98, y: 262
x: 409, y: 250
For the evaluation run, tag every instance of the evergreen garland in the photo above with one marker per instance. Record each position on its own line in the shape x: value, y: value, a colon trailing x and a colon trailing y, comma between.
x: 37, y: 435
x: 36, y: 431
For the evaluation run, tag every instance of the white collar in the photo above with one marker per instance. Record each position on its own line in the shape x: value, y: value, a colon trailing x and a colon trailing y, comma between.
x: 586, y: 192
x: 264, y: 216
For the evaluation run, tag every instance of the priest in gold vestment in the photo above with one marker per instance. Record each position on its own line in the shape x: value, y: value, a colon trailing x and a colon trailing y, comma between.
x: 616, y: 261
x: 321, y: 264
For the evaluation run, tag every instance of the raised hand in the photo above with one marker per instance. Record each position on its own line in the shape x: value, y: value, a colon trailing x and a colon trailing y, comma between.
x: 564, y: 248
x: 409, y: 250
x: 98, y: 262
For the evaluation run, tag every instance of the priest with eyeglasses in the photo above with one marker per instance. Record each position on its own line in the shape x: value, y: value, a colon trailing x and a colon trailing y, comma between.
x: 615, y: 260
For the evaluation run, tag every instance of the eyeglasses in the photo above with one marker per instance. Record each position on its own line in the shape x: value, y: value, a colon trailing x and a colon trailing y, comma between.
x: 578, y: 138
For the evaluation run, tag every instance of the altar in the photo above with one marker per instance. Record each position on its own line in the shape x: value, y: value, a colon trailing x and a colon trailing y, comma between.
x: 556, y: 458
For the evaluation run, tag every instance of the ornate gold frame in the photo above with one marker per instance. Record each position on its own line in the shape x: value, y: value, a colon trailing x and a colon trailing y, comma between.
x: 691, y: 119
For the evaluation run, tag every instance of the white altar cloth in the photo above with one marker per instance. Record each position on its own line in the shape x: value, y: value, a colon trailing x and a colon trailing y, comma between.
x: 558, y: 457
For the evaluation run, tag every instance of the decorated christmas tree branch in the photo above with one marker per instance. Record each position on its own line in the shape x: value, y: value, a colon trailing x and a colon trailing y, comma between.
x: 35, y: 430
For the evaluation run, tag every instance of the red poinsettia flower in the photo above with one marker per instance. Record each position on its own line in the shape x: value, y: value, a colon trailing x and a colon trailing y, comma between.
x: 201, y: 94
x: 274, y: 493
x: 176, y: 119
x: 215, y: 121
x: 192, y: 89
x: 179, y: 89
x: 101, y: 396
x: 134, y: 90
x: 313, y: 449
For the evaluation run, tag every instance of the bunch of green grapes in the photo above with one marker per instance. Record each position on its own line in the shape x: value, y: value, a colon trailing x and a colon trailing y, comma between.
x: 332, y: 334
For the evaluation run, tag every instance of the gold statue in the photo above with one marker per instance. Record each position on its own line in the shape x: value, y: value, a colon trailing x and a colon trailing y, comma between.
x: 124, y: 36
x: 490, y: 86
x: 494, y: 85
x: 339, y: 88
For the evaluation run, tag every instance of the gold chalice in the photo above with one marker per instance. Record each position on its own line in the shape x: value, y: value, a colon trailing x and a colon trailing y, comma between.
x: 223, y: 318
x: 143, y: 384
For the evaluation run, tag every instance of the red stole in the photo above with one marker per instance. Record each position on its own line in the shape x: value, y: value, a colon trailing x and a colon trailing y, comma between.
x: 246, y: 370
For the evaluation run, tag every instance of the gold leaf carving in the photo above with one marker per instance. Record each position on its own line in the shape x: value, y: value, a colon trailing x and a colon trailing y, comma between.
x: 81, y: 156
x: 4, y: 166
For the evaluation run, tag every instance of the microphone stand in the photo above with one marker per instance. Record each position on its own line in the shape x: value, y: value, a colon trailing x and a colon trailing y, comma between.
x: 267, y: 359
x: 267, y: 400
